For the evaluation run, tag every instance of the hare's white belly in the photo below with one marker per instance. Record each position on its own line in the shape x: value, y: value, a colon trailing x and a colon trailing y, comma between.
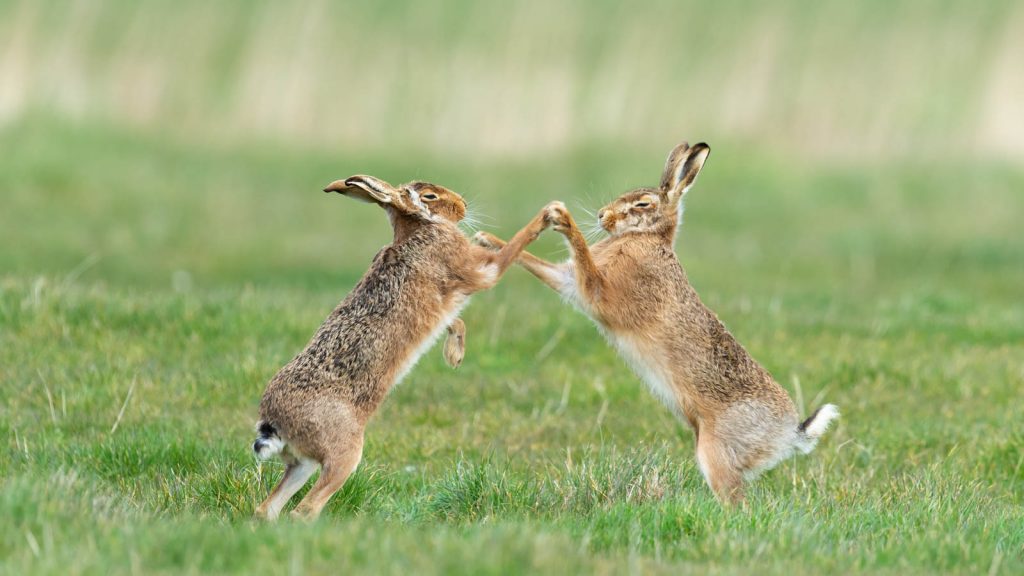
x: 457, y: 306
x: 657, y: 377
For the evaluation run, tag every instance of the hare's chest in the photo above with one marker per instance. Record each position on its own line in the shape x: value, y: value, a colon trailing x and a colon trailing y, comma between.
x: 644, y: 360
x: 448, y: 315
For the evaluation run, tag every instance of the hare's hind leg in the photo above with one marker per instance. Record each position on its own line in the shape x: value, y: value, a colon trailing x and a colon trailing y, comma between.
x: 335, y: 469
x: 717, y: 463
x: 297, y: 472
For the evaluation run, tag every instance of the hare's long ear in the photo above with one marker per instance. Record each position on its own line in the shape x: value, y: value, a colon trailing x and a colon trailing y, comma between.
x: 681, y: 169
x: 364, y: 188
x: 672, y: 163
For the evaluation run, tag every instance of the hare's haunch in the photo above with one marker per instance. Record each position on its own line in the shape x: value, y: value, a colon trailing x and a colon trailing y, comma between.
x: 315, y: 409
x: 634, y: 288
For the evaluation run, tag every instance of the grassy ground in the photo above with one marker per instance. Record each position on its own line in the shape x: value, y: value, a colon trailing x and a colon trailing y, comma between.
x: 148, y: 290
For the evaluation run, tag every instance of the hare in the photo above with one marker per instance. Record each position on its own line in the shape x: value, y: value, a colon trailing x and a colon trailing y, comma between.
x: 633, y: 287
x: 315, y: 409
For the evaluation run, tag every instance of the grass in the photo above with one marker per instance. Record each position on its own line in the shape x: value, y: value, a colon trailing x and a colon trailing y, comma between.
x: 150, y: 288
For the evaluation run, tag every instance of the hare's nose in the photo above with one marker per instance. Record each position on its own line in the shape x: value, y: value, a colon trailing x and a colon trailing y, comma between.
x: 601, y: 213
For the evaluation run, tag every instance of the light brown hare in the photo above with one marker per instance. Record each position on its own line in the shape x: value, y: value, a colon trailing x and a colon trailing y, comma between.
x: 315, y: 409
x: 633, y: 287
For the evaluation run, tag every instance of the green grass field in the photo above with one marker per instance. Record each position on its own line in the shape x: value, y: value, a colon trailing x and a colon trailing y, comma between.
x: 165, y: 248
x: 142, y: 315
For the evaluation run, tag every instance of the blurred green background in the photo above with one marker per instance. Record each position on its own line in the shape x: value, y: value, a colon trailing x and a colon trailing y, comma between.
x: 148, y: 138
x: 829, y: 80
x: 165, y: 248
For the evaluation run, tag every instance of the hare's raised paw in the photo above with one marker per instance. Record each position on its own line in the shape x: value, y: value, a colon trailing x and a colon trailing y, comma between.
x: 557, y: 216
x: 487, y: 240
x: 455, y: 343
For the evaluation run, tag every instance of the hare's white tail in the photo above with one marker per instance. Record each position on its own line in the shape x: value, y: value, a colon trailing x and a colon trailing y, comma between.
x: 268, y: 442
x: 810, y: 430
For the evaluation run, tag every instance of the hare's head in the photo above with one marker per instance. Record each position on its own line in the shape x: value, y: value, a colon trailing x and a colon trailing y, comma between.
x: 436, y: 202
x: 656, y: 209
x: 418, y: 199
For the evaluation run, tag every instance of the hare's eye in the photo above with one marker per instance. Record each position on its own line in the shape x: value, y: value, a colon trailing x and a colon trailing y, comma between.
x: 430, y: 196
x: 642, y: 204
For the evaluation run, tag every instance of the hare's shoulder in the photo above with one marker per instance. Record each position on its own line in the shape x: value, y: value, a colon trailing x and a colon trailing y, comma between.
x: 640, y: 260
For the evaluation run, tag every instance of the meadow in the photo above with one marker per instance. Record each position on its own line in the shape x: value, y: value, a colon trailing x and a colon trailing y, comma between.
x: 157, y: 266
x: 133, y: 358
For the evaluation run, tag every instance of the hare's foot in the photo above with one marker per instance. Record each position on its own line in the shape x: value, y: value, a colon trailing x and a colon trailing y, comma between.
x: 296, y: 473
x: 722, y: 475
x: 334, y: 471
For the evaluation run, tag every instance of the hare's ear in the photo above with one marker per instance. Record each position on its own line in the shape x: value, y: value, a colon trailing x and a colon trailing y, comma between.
x: 681, y: 169
x: 364, y: 188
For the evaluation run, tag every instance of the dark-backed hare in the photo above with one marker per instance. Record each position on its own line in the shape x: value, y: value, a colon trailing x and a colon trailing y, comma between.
x: 315, y: 409
x: 632, y: 285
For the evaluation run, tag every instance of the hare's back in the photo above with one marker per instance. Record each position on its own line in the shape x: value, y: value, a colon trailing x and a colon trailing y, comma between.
x: 367, y: 335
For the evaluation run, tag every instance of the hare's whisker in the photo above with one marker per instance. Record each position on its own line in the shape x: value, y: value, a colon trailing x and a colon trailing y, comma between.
x: 592, y: 235
x: 473, y: 219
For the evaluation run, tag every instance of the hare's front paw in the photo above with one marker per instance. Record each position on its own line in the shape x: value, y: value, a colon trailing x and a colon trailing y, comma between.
x: 557, y: 216
x: 487, y: 240
x: 454, y: 349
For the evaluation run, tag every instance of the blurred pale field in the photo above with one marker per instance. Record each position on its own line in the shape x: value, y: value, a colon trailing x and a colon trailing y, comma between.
x: 857, y: 80
x: 165, y: 248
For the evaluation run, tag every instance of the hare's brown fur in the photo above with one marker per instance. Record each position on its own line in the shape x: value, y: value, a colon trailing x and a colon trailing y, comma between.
x: 315, y: 409
x: 634, y: 288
